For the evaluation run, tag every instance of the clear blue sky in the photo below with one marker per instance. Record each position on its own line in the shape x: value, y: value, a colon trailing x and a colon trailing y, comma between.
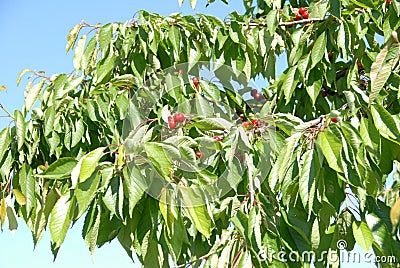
x: 33, y: 35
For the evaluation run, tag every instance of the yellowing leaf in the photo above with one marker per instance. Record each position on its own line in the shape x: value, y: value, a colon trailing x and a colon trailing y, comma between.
x: 395, y: 214
x: 20, y: 197
x: 3, y: 211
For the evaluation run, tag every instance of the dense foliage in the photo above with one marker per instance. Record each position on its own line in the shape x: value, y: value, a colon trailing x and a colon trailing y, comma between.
x: 160, y: 139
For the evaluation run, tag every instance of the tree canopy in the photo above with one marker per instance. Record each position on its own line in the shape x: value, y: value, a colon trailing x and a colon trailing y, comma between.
x: 161, y: 139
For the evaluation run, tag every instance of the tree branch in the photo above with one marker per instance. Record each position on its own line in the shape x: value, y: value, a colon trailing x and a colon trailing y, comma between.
x: 5, y: 110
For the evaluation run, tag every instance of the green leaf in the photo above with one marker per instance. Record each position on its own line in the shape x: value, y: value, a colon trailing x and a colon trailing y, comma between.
x: 86, y: 165
x: 212, y: 124
x: 370, y: 136
x: 77, y: 132
x: 378, y: 83
x: 285, y: 157
x: 364, y: 3
x: 60, y: 169
x: 331, y: 146
x: 21, y: 74
x: 5, y: 141
x: 77, y: 62
x: 134, y: 185
x: 211, y: 90
x: 104, y: 67
x: 174, y: 36
x: 50, y: 115
x: 307, y: 181
x: 272, y: 21
x: 72, y: 36
x: 193, y: 3
x: 85, y: 193
x: 105, y: 36
x: 314, y: 84
x: 60, y: 220
x: 318, y: 50
x: 90, y: 231
x: 289, y: 84
x: 385, y: 123
x: 89, y: 56
x: 20, y: 127
x: 194, y: 55
x: 198, y: 212
x: 362, y: 235
x: 12, y: 219
x: 161, y: 155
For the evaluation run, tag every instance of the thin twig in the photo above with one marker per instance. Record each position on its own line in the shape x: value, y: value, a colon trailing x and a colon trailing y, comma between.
x: 5, y: 110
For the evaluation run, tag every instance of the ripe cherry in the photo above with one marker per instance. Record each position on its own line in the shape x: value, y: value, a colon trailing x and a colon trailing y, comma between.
x: 324, y: 94
x: 334, y: 120
x: 305, y: 15
x: 388, y: 2
x: 255, y: 122
x: 200, y: 155
x: 258, y: 96
x: 179, y: 117
x: 298, y: 17
x: 302, y: 10
x: 330, y: 55
x: 360, y: 65
x: 253, y: 92
x: 195, y: 81
x: 246, y: 124
x: 217, y: 138
x: 171, y: 123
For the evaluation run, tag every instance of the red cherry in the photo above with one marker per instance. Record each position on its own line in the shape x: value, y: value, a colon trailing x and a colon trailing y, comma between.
x: 195, y: 81
x: 302, y: 10
x: 255, y: 122
x: 246, y: 124
x: 200, y: 155
x: 179, y: 117
x: 388, y: 2
x: 171, y: 123
x: 330, y: 55
x: 258, y: 96
x: 360, y: 65
x: 253, y: 92
x: 298, y: 17
x: 305, y: 15
x: 334, y: 120
x: 217, y: 138
x: 324, y: 94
